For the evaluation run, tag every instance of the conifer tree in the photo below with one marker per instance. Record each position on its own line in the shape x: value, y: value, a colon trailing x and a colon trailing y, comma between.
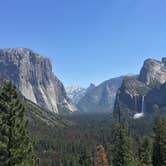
x: 159, y: 144
x: 85, y: 157
x: 15, y: 146
x: 145, y: 153
x: 122, y: 154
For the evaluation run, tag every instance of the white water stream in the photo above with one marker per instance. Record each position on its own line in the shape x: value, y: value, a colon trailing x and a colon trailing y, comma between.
x: 141, y: 114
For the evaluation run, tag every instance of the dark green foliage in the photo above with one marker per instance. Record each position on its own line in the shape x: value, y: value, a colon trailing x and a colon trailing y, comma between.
x: 159, y: 145
x: 74, y: 145
x: 122, y: 147
x: 85, y: 156
x: 145, y: 153
x: 71, y: 145
x: 80, y: 139
x: 15, y: 147
x: 122, y: 154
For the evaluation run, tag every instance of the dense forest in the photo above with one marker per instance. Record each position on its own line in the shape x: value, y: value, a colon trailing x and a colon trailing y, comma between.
x: 101, y: 139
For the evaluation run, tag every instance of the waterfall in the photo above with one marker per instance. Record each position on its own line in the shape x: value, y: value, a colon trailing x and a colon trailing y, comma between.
x: 141, y: 114
x: 143, y: 104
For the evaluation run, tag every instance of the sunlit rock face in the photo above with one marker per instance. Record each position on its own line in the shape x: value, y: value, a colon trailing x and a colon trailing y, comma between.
x: 150, y: 85
x: 153, y: 72
x: 32, y: 74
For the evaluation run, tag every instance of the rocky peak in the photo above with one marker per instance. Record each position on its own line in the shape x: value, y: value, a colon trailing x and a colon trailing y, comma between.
x: 16, y: 52
x: 133, y: 87
x: 32, y: 74
x: 145, y: 86
x: 100, y: 98
x: 153, y: 72
x: 91, y: 87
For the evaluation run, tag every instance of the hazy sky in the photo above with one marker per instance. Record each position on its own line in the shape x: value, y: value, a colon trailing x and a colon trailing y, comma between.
x: 87, y: 40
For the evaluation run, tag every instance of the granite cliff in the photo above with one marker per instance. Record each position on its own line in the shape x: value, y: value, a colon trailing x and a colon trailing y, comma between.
x: 148, y: 86
x: 153, y: 72
x: 32, y: 74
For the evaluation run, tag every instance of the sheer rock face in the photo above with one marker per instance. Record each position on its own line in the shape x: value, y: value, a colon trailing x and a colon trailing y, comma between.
x: 151, y: 77
x: 32, y: 74
x: 131, y: 92
x: 153, y: 72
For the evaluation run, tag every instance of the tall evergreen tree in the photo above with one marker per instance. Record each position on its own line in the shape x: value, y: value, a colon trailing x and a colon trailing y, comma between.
x: 85, y: 157
x: 159, y: 144
x: 122, y: 154
x: 15, y: 146
x: 145, y: 153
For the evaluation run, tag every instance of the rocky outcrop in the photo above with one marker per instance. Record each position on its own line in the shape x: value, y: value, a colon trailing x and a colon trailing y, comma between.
x: 131, y: 92
x: 153, y: 72
x: 32, y: 74
x: 100, y: 98
x: 148, y: 85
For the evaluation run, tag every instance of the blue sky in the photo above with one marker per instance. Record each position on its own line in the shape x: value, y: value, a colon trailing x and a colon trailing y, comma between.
x: 87, y: 40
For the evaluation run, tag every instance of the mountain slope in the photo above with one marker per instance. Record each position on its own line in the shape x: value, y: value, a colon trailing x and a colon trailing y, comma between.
x: 37, y: 115
x: 32, y: 74
x: 100, y: 98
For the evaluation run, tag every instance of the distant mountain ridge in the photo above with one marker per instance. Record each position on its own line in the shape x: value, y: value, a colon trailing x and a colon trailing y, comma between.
x: 32, y: 74
x: 100, y: 98
x: 75, y: 93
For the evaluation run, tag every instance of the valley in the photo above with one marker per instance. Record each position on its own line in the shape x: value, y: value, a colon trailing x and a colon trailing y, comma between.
x: 76, y: 126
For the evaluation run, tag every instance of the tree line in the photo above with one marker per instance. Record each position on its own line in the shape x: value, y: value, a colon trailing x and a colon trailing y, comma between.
x: 95, y: 140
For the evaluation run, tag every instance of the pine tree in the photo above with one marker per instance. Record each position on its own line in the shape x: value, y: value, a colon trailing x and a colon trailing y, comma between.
x: 145, y: 153
x: 159, y: 144
x: 122, y: 154
x: 15, y: 146
x: 85, y: 157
